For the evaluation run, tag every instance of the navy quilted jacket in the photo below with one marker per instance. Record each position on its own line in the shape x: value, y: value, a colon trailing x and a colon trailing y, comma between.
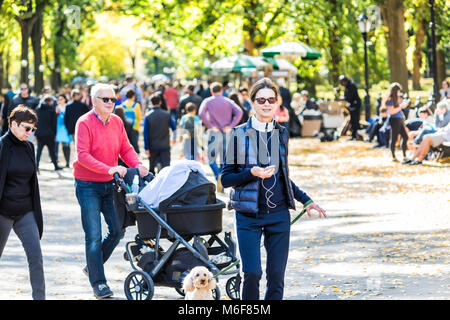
x: 240, y: 158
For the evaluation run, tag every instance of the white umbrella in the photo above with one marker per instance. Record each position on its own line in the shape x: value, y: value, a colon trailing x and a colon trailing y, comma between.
x: 159, y: 77
x: 292, y: 49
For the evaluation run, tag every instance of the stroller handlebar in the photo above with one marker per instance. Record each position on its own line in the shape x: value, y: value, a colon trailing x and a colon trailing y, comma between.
x: 120, y: 181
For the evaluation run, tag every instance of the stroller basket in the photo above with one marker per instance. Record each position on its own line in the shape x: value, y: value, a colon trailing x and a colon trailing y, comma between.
x: 186, y: 220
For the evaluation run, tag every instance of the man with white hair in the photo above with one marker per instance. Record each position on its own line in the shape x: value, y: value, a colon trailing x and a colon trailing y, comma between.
x: 442, y: 113
x: 100, y: 138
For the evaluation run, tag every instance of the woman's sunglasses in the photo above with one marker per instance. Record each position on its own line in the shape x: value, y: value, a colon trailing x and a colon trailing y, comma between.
x: 106, y: 100
x: 28, y: 129
x: 271, y: 100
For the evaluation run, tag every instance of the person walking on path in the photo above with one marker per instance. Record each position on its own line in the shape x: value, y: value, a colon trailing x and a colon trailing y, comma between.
x: 62, y: 135
x: 171, y: 96
x: 100, y: 139
x: 192, y: 125
x: 46, y: 130
x: 20, y: 204
x: 190, y: 96
x: 132, y: 85
x: 25, y: 98
x: 220, y: 115
x: 396, y: 118
x: 262, y: 193
x: 74, y: 110
x: 352, y: 97
x: 157, y: 135
x: 5, y: 102
x: 133, y: 116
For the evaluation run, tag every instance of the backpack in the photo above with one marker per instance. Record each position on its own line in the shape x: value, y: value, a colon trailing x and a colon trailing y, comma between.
x: 189, y: 126
x: 130, y: 115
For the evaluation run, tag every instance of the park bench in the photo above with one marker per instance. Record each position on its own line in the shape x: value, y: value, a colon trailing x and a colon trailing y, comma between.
x: 440, y: 152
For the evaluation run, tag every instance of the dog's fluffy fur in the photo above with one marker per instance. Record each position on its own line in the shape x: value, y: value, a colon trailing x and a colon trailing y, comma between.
x: 198, y: 284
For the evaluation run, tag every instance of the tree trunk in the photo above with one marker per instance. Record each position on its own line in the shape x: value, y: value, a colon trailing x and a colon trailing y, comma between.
x: 1, y: 70
x: 25, y: 29
x: 440, y: 61
x: 393, y: 12
x: 36, y: 36
x: 417, y: 58
x: 249, y: 27
x: 7, y: 66
x: 335, y: 44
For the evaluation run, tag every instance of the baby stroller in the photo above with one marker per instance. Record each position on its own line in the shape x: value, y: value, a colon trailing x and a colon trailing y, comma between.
x: 332, y: 119
x: 191, y: 220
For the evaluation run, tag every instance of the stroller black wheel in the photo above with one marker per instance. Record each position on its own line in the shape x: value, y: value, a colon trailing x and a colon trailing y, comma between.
x: 216, y: 293
x: 233, y: 288
x: 139, y: 286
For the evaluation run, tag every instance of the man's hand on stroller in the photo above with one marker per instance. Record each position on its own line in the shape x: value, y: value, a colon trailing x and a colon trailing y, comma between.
x: 143, y: 171
x: 122, y: 171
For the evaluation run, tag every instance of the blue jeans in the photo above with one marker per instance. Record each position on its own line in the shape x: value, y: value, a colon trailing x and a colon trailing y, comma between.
x: 276, y: 229
x: 95, y: 198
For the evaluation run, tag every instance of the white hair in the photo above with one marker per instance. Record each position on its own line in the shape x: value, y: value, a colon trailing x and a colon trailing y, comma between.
x: 444, y: 104
x: 98, y: 87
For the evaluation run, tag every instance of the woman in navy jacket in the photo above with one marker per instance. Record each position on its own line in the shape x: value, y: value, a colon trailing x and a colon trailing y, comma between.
x: 256, y: 167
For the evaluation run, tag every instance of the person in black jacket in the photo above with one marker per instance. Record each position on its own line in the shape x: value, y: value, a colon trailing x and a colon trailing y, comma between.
x: 352, y: 97
x: 20, y: 206
x: 156, y: 133
x: 257, y: 169
x: 4, y: 108
x: 189, y: 97
x: 74, y: 110
x: 46, y: 130
x: 24, y: 98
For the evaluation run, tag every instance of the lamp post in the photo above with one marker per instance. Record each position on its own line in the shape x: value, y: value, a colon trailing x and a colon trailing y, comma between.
x: 364, y: 25
x: 433, y: 50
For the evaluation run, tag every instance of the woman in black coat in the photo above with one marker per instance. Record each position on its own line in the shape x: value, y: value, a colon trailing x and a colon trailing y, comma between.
x: 20, y: 206
x: 256, y: 167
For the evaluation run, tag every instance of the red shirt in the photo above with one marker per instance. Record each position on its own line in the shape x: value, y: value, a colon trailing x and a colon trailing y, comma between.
x: 171, y: 96
x: 98, y: 147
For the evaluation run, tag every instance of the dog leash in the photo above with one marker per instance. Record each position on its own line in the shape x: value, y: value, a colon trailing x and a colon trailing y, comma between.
x: 235, y: 263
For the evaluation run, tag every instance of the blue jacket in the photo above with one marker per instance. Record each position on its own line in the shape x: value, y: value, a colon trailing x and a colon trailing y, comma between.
x: 236, y: 171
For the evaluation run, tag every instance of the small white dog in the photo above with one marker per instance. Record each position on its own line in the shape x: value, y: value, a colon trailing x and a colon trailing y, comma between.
x: 198, y: 284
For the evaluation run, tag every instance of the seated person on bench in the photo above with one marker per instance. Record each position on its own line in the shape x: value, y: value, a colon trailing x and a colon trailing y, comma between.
x: 428, y: 141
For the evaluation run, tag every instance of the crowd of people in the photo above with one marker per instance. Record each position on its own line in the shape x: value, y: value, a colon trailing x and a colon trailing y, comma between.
x: 102, y: 139
x: 105, y: 120
x: 416, y: 129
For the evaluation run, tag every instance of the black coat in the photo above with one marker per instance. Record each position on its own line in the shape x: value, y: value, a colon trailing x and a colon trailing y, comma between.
x: 46, y: 126
x: 74, y: 111
x: 6, y: 149
x: 352, y: 97
x: 30, y: 102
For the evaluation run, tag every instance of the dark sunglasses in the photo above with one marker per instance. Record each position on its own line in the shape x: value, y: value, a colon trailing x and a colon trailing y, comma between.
x: 27, y: 128
x: 106, y: 100
x: 271, y: 100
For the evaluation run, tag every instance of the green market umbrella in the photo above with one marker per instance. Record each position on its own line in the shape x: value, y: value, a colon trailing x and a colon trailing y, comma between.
x: 233, y: 63
x: 281, y: 64
x: 292, y: 49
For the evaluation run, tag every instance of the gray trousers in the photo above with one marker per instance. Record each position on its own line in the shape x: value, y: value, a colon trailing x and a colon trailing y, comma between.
x: 27, y: 231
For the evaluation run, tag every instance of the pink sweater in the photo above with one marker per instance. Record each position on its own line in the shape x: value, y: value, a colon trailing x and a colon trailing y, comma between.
x: 99, y: 146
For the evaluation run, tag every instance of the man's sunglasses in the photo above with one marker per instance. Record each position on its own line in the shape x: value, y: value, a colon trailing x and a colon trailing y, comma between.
x: 106, y: 100
x: 28, y: 129
x: 271, y: 100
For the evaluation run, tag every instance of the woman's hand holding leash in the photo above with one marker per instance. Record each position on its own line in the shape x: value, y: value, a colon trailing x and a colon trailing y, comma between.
x: 314, y: 206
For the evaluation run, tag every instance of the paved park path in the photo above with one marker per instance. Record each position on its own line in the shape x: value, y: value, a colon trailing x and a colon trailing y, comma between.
x: 386, y: 237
